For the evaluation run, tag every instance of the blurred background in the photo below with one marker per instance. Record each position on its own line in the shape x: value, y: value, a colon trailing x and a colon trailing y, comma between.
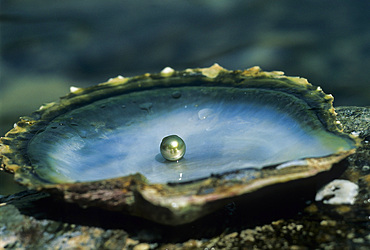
x: 48, y: 46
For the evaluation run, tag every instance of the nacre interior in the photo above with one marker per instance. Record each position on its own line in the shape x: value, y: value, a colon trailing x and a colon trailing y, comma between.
x: 224, y: 128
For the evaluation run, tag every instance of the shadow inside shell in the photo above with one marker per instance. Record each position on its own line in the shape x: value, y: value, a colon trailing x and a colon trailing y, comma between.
x: 280, y: 201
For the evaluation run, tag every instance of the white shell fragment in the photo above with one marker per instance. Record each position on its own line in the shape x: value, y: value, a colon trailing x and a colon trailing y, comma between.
x: 115, y: 79
x: 338, y: 192
x: 73, y: 89
x: 168, y: 71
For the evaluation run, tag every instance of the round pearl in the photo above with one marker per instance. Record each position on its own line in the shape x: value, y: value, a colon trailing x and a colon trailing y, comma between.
x: 172, y: 148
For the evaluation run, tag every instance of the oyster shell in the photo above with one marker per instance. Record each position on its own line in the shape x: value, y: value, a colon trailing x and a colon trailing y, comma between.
x: 243, y: 130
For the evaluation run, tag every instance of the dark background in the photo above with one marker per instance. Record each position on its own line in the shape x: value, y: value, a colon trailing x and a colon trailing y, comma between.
x: 47, y: 46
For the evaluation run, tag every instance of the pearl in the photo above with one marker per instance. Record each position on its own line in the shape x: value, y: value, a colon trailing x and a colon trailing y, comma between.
x: 172, y: 148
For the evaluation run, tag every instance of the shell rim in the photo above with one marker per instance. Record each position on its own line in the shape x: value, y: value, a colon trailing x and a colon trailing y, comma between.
x: 13, y: 146
x: 28, y: 126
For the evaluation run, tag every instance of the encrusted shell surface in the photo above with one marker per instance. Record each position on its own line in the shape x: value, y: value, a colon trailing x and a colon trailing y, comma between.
x: 99, y: 146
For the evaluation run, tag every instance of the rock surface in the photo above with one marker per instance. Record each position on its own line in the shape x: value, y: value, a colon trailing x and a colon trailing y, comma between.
x: 34, y: 220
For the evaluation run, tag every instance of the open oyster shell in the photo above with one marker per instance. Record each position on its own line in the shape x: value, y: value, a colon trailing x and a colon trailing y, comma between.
x: 243, y: 130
